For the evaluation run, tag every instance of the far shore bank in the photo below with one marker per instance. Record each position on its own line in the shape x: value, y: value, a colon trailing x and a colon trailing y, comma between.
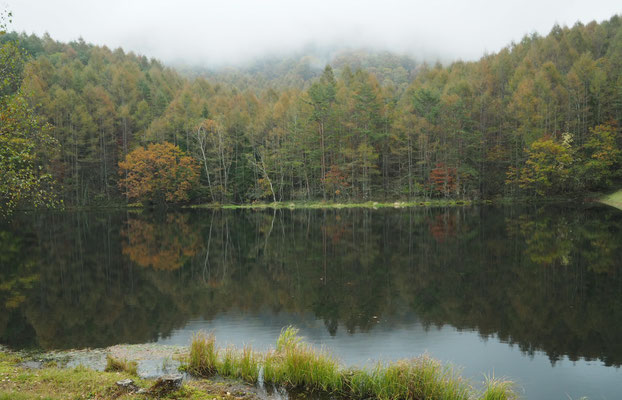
x: 613, y: 199
x: 339, y: 205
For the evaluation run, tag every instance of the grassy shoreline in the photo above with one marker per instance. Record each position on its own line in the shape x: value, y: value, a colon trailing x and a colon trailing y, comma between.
x: 53, y: 382
x: 294, y: 205
x: 137, y: 207
x: 326, y: 205
x: 613, y: 199
x: 230, y: 373
x: 296, y: 365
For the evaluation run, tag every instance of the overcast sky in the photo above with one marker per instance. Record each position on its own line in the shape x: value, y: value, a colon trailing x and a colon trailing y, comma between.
x: 231, y: 31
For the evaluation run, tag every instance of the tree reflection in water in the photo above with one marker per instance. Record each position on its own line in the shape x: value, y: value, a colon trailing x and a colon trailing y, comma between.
x: 544, y: 278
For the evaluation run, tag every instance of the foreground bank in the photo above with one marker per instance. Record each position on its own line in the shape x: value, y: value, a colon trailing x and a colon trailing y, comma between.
x: 21, y: 379
x: 230, y: 373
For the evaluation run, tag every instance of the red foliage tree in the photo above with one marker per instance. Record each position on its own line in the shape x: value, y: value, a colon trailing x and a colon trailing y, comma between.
x: 443, y: 179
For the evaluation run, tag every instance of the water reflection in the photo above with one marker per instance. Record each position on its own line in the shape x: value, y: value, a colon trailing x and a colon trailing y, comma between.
x: 546, y: 279
x: 163, y: 242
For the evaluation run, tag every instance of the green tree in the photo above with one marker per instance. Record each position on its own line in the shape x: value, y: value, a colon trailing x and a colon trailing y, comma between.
x: 601, y: 158
x: 548, y: 168
x: 25, y: 145
x: 322, y: 95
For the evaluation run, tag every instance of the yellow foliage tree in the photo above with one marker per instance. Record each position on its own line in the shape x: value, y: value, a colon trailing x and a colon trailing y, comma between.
x: 161, y: 173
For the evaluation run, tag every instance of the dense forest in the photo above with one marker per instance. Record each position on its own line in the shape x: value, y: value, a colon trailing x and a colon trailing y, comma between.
x: 541, y: 117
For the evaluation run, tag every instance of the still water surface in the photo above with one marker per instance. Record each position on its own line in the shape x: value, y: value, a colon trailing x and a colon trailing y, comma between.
x: 534, y: 294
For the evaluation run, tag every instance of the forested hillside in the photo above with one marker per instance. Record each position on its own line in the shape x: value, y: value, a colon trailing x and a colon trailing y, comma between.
x: 541, y: 117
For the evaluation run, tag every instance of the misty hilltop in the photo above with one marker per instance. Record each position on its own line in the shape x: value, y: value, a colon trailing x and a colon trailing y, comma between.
x: 225, y: 34
x: 299, y: 70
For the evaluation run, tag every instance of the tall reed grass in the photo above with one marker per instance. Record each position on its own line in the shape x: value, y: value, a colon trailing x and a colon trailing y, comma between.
x: 498, y: 389
x: 295, y: 364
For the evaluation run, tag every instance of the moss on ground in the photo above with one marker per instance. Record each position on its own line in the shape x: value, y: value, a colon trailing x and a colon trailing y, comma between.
x: 52, y: 383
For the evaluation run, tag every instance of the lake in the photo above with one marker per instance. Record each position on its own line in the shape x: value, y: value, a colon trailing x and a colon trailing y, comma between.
x: 532, y: 293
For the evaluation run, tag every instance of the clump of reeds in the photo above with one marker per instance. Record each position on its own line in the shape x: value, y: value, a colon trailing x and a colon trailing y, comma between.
x: 203, y: 355
x: 418, y: 378
x: 498, y: 389
x: 121, y: 365
x: 243, y: 364
x: 206, y: 359
x: 294, y: 363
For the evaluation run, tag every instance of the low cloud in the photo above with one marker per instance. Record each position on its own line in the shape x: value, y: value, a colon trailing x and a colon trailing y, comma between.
x: 229, y: 32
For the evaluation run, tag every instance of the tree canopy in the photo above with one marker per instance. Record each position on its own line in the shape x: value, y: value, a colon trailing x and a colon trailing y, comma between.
x: 26, y: 147
x: 368, y: 126
x: 160, y: 173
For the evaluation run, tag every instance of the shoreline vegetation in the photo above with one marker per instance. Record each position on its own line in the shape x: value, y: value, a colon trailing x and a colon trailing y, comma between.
x: 613, y: 199
x: 296, y: 365
x: 321, y: 204
x: 231, y: 373
x: 333, y: 205
x: 295, y: 204
x: 51, y: 381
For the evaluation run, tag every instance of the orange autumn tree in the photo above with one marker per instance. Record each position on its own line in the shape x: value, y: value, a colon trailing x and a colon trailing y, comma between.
x: 443, y: 179
x: 161, y: 173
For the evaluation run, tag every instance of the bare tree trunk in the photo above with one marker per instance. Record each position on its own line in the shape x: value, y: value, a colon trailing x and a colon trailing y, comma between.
x: 201, y: 140
x: 262, y: 167
x: 323, y: 160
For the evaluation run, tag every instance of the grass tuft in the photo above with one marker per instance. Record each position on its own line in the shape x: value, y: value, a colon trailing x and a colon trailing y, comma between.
x: 121, y: 365
x: 418, y: 378
x: 498, y: 389
x: 299, y: 365
x: 249, y: 365
x: 203, y: 355
x: 288, y: 339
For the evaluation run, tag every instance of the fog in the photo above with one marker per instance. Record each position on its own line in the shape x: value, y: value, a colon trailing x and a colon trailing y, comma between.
x: 229, y: 32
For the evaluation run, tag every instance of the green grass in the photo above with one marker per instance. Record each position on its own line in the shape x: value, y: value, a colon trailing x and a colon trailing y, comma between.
x: 295, y: 364
x: 54, y: 383
x: 336, y: 205
x: 60, y: 383
x: 614, y: 199
x: 292, y: 363
x: 20, y: 396
x: 121, y: 365
x: 498, y: 389
x: 203, y: 355
x: 419, y: 378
